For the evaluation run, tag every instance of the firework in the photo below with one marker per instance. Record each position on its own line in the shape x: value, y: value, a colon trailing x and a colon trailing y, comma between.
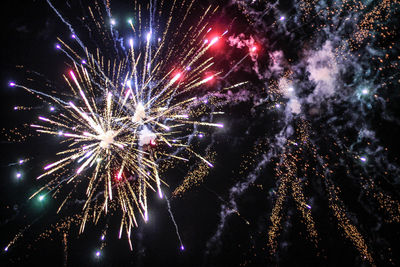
x: 322, y: 80
x: 325, y: 150
x: 124, y: 115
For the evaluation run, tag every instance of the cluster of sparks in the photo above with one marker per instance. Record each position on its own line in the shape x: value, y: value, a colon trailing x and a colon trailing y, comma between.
x: 123, y: 117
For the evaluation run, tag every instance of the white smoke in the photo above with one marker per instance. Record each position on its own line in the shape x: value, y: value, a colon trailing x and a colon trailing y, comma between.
x: 323, y: 70
x: 146, y: 136
x: 288, y: 91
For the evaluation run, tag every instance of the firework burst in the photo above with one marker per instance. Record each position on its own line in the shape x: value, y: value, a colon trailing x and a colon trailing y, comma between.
x: 124, y: 115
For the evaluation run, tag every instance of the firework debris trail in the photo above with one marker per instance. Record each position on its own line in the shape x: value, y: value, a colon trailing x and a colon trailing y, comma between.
x: 342, y: 74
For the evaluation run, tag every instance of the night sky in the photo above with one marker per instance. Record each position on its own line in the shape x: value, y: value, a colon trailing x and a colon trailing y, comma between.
x: 306, y: 169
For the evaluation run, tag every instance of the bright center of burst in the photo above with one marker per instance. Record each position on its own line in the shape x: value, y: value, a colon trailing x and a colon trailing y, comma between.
x: 140, y: 113
x: 107, y: 139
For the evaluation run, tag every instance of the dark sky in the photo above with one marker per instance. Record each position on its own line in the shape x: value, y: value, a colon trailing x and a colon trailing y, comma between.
x: 29, y: 34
